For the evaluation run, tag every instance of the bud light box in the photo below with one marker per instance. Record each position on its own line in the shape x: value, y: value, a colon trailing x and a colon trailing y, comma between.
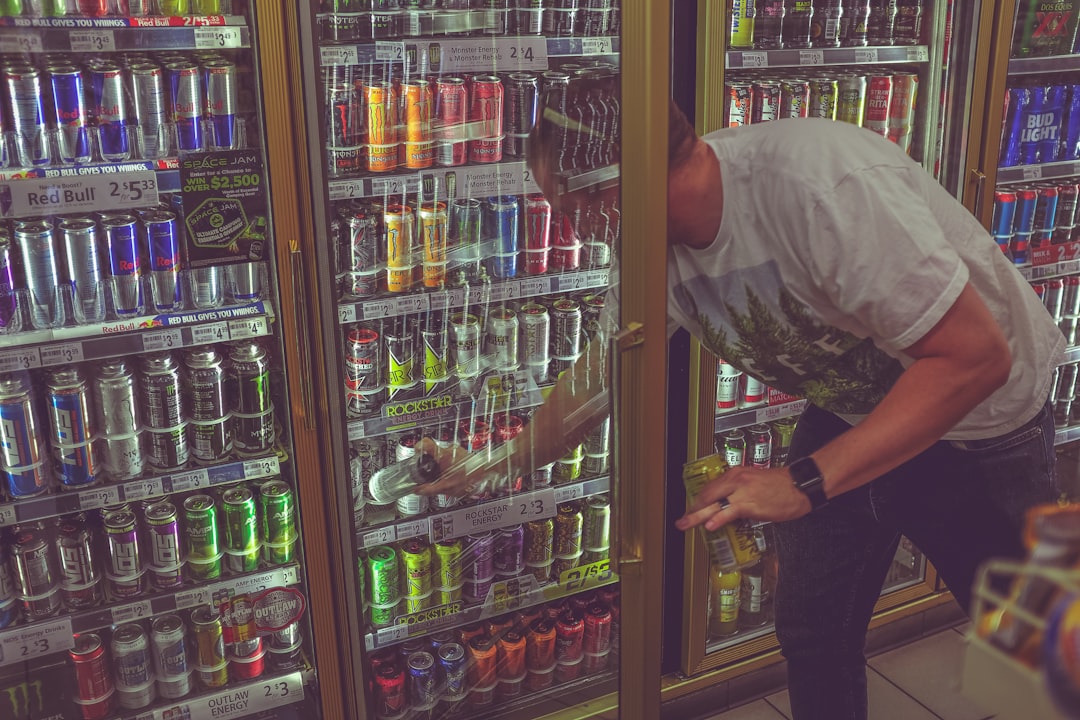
x: 1045, y: 27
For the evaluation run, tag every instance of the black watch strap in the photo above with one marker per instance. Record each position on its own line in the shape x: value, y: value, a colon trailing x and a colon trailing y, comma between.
x: 808, y: 479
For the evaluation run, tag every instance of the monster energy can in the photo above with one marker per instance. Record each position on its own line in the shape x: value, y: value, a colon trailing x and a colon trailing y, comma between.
x: 383, y: 575
x: 253, y: 409
x: 115, y: 395
x: 201, y: 533
x: 209, y: 427
x: 278, y: 520
x: 241, y: 530
x: 167, y: 446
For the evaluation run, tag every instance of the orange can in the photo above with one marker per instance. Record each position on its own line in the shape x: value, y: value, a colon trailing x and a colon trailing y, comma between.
x: 483, y: 670
x: 416, y: 102
x: 540, y: 645
x: 467, y: 633
x: 398, y: 220
x: 433, y: 228
x: 381, y: 101
x: 511, y: 648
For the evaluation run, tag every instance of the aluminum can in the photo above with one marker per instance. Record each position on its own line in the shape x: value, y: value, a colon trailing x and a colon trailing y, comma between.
x: 117, y: 403
x: 540, y: 645
x: 851, y: 99
x: 384, y: 583
x: 565, y: 330
x: 522, y: 105
x: 241, y: 530
x: 1054, y: 297
x: 7, y: 282
x: 479, y: 561
x: 70, y: 114
x: 37, y: 578
x: 502, y: 224
x: 595, y: 527
x: 453, y: 663
x: 400, y: 230
x: 539, y: 539
x: 207, y: 382
x: 169, y: 638
x: 535, y: 341
x: 853, y: 23
x: 1071, y: 124
x: 79, y: 577
x: 569, y: 637
x: 253, y: 409
x: 8, y: 607
x: 125, y: 263
x: 416, y: 561
x: 537, y: 242
x: 878, y: 98
x: 210, y: 664
x: 823, y: 97
x: 433, y: 231
x: 435, y: 355
x: 362, y: 253
x: 451, y: 114
x: 159, y: 376
x: 739, y: 101
x: 163, y: 240
x: 1070, y: 305
x: 71, y: 428
x: 881, y: 22
x: 509, y: 556
x: 82, y: 252
x: 741, y: 36
x: 1046, y: 214
x: 219, y: 77
x: 1067, y: 203
x: 466, y: 230
x: 201, y: 538
x: 760, y: 445
x: 140, y: 8
x: 502, y: 339
x: 364, y: 366
x: 391, y: 698
x: 20, y: 448
x: 902, y: 109
x: 568, y: 522
x: 596, y: 639
x: 344, y: 128
x: 768, y: 25
x: 26, y: 109
x: 486, y: 116
x: 133, y: 666
x: 39, y: 262
x: 150, y: 109
x: 1001, y: 226
x: 465, y: 345
x: 90, y: 8
x: 381, y: 103
x: 449, y: 556
x: 93, y: 675
x: 163, y: 535
x: 825, y: 24
x: 277, y: 517
x: 125, y: 564
x: 1024, y: 220
x: 734, y: 448
x: 186, y: 103
x: 416, y: 103
x: 401, y: 356
x: 766, y: 103
x: 410, y: 504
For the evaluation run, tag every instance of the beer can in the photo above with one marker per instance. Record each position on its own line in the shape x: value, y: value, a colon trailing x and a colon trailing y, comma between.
x: 163, y: 533
x: 824, y: 93
x: 210, y: 663
x: 739, y: 102
x: 502, y: 224
x: 783, y: 430
x: 794, y: 98
x: 124, y: 571
x: 568, y: 529
x: 902, y: 109
x: 400, y: 229
x: 741, y: 36
x: 71, y: 428
x: 241, y: 530
x: 433, y: 231
x: 20, y: 447
x: 486, y: 115
x: 201, y: 538
x: 93, y: 675
x: 133, y: 667
x: 465, y: 350
x: 277, y: 517
x: 760, y: 442
x: 734, y: 448
x: 79, y: 577
x: 451, y: 114
x: 765, y: 105
x: 878, y: 98
x: 851, y: 99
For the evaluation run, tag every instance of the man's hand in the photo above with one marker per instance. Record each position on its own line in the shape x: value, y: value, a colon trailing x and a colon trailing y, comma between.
x: 745, y: 492
x: 453, y: 478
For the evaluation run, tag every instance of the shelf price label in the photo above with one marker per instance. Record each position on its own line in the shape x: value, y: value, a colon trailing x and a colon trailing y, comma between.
x: 99, y: 497
x: 19, y: 359
x: 396, y: 185
x: 194, y: 480
x: 378, y: 309
x: 210, y: 333
x: 162, y: 340
x: 382, y: 536
x: 413, y: 528
x: 7, y: 515
x: 339, y: 55
x: 868, y: 55
x: 390, y: 635
x: 241, y: 701
x: 346, y: 189
x: 36, y: 640
x: 247, y: 328
x: 1032, y: 172
x: 217, y: 38
x: 263, y: 467
x: 596, y: 46
x: 389, y: 51
x: 755, y: 59
x: 21, y: 43
x: 811, y: 57
x: 132, y: 611
x: 586, y: 577
x: 501, y: 513
x: 566, y: 493
x: 192, y: 598
x: 533, y: 287
x: 62, y: 354
x: 92, y: 41
x: 347, y: 313
x: 918, y: 54
x: 143, y: 489
x: 60, y: 192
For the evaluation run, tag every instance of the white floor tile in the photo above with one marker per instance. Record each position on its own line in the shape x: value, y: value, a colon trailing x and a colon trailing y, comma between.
x: 757, y: 710
x: 886, y: 702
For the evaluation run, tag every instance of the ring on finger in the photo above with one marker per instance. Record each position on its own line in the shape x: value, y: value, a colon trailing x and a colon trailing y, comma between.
x: 724, y: 503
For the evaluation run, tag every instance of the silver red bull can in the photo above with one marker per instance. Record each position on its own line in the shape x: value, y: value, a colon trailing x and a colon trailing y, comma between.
x: 221, y: 103
x: 108, y: 107
x: 150, y: 108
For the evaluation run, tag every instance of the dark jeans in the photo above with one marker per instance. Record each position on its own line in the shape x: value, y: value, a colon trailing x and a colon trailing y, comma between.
x: 959, y: 506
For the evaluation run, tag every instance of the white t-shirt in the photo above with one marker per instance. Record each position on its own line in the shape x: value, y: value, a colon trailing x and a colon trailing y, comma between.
x: 836, y: 251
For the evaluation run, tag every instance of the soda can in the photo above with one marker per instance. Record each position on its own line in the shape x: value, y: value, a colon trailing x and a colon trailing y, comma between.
x: 509, y: 556
x: 399, y: 223
x: 902, y: 109
x: 71, y: 428
x: 739, y: 103
x: 522, y: 103
x: 208, y: 407
x: 1016, y: 101
x: 93, y: 675
x: 362, y: 253
x: 219, y: 76
x: 125, y: 263
x: 163, y: 534
x: 451, y: 114
x: 168, y: 636
x: 760, y: 446
x: 765, y: 105
x: 241, y: 530
x: 1067, y: 204
x: 466, y: 230
x: 277, y: 515
x: 20, y: 448
x: 210, y: 664
x: 1001, y: 227
x: 501, y: 339
x: 133, y: 666
x: 1024, y: 219
x: 185, y: 103
x: 70, y: 114
x: 433, y: 230
x: 596, y: 524
x: 824, y: 92
x: 502, y: 223
x: 125, y: 567
x: 465, y: 345
x: 79, y: 578
x: 381, y: 102
x: 8, y: 306
x: 416, y: 102
x: 568, y: 529
x: 26, y: 109
x: 486, y: 117
x: 39, y: 262
x: 201, y: 538
x: 794, y: 99
x: 851, y: 99
x: 83, y: 267
x: 150, y: 108
x: 1054, y: 297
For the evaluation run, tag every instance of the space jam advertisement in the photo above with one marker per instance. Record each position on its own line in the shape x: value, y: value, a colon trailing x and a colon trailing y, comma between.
x: 224, y: 207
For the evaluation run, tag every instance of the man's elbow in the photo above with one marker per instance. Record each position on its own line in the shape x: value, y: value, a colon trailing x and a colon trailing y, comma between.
x: 996, y: 365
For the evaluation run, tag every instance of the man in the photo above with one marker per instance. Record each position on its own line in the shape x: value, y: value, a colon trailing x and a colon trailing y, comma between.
x: 820, y: 259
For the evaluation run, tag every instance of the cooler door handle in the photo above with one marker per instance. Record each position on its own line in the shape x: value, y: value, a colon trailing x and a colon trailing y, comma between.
x: 303, y: 350
x: 625, y: 558
x: 978, y: 179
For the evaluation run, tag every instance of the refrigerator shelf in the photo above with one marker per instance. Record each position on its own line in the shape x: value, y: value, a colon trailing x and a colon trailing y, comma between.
x: 1042, y: 272
x: 737, y: 59
x: 442, y: 526
x: 52, y: 635
x: 34, y: 35
x: 1054, y: 63
x: 233, y: 702
x: 1045, y: 171
x: 177, y: 482
x: 512, y: 289
x: 757, y: 414
x: 149, y: 333
x: 1066, y: 435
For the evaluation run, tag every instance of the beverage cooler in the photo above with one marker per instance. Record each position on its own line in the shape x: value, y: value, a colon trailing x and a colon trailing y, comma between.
x: 451, y: 296
x: 893, y: 68
x: 153, y: 558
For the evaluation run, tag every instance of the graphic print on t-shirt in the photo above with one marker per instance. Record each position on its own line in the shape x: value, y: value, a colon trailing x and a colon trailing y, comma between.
x: 748, y: 318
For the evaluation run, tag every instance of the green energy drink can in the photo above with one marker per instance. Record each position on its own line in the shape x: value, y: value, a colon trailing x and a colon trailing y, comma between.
x: 416, y: 559
x: 783, y: 429
x: 175, y: 8
x: 206, y: 7
x: 241, y: 530
x: 595, y: 528
x: 383, y: 578
x: 448, y: 564
x: 211, y: 667
x: 279, y: 531
x: 201, y: 534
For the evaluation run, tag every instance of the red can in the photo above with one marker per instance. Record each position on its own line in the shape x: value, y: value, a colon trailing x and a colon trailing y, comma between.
x: 765, y: 105
x: 569, y: 637
x: 608, y: 596
x: 878, y: 98
x: 540, y: 645
x: 92, y: 676
x: 486, y: 117
x: 451, y: 114
x: 537, y: 234
x: 363, y: 368
x: 391, y: 699
x: 94, y: 8
x: 740, y: 100
x: 474, y: 435
x: 247, y: 659
x: 508, y: 427
x: 794, y: 99
x: 597, y: 637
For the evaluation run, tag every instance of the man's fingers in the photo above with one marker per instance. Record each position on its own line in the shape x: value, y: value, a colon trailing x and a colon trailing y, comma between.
x: 721, y: 511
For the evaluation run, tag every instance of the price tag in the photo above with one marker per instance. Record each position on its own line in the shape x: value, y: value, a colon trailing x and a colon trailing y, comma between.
x: 19, y: 359
x: 346, y: 189
x: 755, y: 59
x: 247, y: 328
x: 572, y: 281
x: 339, y: 55
x: 210, y: 333
x: 596, y: 486
x: 192, y: 598
x: 396, y: 185
x: 494, y: 515
x: 21, y: 43
x: 62, y: 354
x: 918, y: 54
x: 811, y: 57
x: 162, y: 340
x: 69, y: 194
x: 133, y: 611
x: 867, y: 55
x: 596, y: 46
x: 413, y: 528
x: 534, y: 287
x: 382, y: 536
x: 377, y: 309
x: 346, y: 313
x: 391, y: 635
x: 389, y: 51
x: 566, y: 493
x: 92, y: 41
x: 7, y: 515
x: 585, y: 577
x: 33, y: 641
x: 521, y: 53
x: 263, y: 467
x: 597, y: 278
x: 142, y: 489
x: 356, y: 431
x: 503, y: 292
x: 194, y: 480
x: 1032, y: 172
x: 217, y: 38
x: 99, y: 497
x: 412, y: 304
x: 240, y: 701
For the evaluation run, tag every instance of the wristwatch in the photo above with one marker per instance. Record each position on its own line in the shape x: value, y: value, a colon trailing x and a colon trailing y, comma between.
x: 808, y: 479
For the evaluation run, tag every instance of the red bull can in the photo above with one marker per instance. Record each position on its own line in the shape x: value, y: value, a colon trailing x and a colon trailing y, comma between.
x: 163, y: 240
x: 26, y: 108
x: 220, y: 79
x: 149, y: 105
x: 125, y: 264
x: 185, y: 103
x: 69, y: 112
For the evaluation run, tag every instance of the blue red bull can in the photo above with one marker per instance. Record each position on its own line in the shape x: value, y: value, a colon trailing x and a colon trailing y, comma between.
x: 163, y: 241
x: 20, y: 450
x: 125, y: 263
x: 1001, y: 227
x: 26, y: 109
x: 185, y: 102
x: 220, y: 79
x: 1026, y: 200
x: 1016, y: 101
x: 1070, y: 133
x: 1020, y: 248
x: 70, y: 428
x: 107, y: 96
x: 69, y: 108
x: 502, y: 222
x: 1068, y: 197
x: 7, y: 282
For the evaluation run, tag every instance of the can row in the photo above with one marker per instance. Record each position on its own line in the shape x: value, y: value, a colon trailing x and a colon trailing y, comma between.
x: 1029, y: 217
x: 496, y: 660
x: 123, y: 553
x: 742, y: 598
x: 1063, y: 395
x: 1061, y: 297
x: 882, y: 102
x: 116, y: 8
x: 116, y: 419
x: 69, y: 111
x: 169, y: 658
x: 798, y: 24
x: 1042, y: 123
x: 761, y: 445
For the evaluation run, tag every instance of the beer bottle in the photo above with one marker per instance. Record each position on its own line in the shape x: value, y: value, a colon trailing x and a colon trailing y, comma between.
x: 724, y: 602
x: 797, y: 19
x: 909, y: 19
x: 853, y: 23
x: 881, y: 23
x: 825, y: 24
x: 769, y: 25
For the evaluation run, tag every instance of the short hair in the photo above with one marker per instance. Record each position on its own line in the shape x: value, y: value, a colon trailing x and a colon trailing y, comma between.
x: 681, y: 137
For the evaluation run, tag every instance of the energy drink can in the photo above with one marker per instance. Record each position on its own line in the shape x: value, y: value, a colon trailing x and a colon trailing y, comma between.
x: 79, y: 577
x: 125, y: 263
x: 117, y: 403
x: 125, y: 566
x: 409, y: 504
x: 416, y: 560
x: 39, y: 262
x: 362, y: 248
x: 82, y: 252
x: 568, y: 528
x: 71, y: 428
x: 168, y: 635
x: 401, y: 356
x: 448, y: 563
x: 595, y: 526
x: 37, y: 578
x: 277, y: 506
x: 70, y: 114
x: 20, y: 448
x: 8, y: 321
x: 133, y: 666
x: 521, y: 111
x: 209, y: 428
x: 565, y: 333
x: 344, y: 128
x: 453, y: 664
x: 435, y: 350
x: 535, y: 327
x: 466, y: 232
x: 433, y: 230
x: 163, y: 240
x: 202, y: 538
x: 150, y: 109
x: 501, y: 341
x: 26, y: 109
x: 163, y: 414
x: 537, y: 244
x: 400, y: 230
x: 416, y: 103
x: 509, y: 556
x: 486, y: 114
x: 465, y: 345
x: 364, y: 366
x: 241, y: 530
x: 211, y: 666
x: 382, y: 570
x: 108, y: 108
x: 449, y: 131
x: 381, y: 102
x: 253, y: 408
x: 502, y: 224
x: 221, y: 103
x: 163, y: 533
x: 93, y: 675
x: 185, y: 103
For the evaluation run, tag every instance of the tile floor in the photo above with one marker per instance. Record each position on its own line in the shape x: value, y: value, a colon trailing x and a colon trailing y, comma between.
x: 918, y: 681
